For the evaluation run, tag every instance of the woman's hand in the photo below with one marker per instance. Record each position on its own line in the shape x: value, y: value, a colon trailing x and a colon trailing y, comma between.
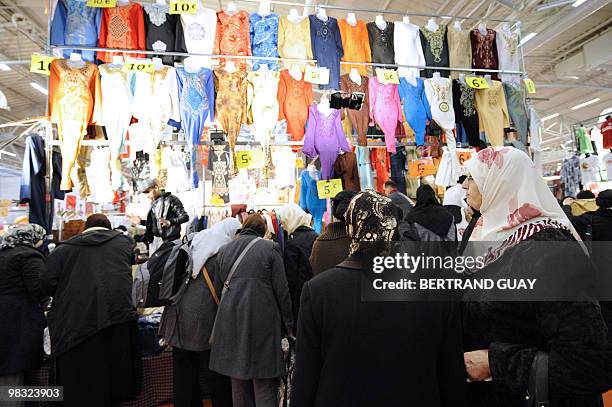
x: 477, y: 365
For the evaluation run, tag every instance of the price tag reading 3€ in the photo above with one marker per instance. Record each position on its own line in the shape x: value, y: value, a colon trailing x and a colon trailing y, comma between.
x: 329, y: 188
x: 476, y: 82
x: 183, y: 7
x: 318, y: 75
x: 102, y: 3
x: 249, y: 159
x: 41, y: 64
x: 387, y: 76
x: 529, y: 85
x: 145, y: 66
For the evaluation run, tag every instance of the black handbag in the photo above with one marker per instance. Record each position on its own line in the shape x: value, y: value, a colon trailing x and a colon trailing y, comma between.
x: 537, y: 390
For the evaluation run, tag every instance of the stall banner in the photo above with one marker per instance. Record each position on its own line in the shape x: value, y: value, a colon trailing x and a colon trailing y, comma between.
x: 219, y: 163
x: 329, y: 188
x: 422, y: 167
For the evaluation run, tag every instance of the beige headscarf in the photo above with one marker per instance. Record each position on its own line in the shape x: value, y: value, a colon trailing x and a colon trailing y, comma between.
x: 293, y: 216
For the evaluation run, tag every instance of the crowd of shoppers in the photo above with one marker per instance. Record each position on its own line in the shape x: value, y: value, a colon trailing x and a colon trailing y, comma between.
x: 244, y: 295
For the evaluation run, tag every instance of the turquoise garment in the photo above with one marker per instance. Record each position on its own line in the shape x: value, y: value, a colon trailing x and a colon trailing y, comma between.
x: 364, y: 166
x: 416, y: 107
x: 76, y: 24
x: 327, y: 48
x: 264, y: 39
x: 309, y: 199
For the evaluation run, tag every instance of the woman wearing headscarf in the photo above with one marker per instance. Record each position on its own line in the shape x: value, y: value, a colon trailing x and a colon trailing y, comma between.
x: 254, y: 312
x: 358, y: 353
x: 21, y: 319
x: 297, y: 224
x: 187, y: 324
x: 501, y: 339
x: 454, y: 202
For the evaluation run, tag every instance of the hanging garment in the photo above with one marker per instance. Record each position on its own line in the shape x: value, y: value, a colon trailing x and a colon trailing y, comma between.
x: 262, y: 87
x: 507, y: 42
x: 200, y: 32
x: 444, y: 174
x: 74, y: 23
x: 589, y: 170
x: 435, y: 49
x: 416, y: 107
x: 99, y: 177
x: 385, y: 109
x: 327, y: 48
x: 156, y: 100
x: 517, y: 109
x: 309, y: 198
x: 408, y: 48
x: 356, y: 45
x: 381, y: 165
x: 219, y: 164
x: 74, y: 102
x: 325, y: 138
x: 398, y: 169
x: 466, y: 116
x: 264, y: 38
x: 294, y: 98
x: 294, y: 40
x: 122, y: 27
x: 484, y: 50
x: 607, y: 162
x: 345, y: 168
x: 359, y: 118
x: 606, y: 132
x: 459, y: 50
x: 164, y: 32
x: 232, y: 37
x: 231, y: 103
x: 175, y: 162
x: 117, y: 87
x: 196, y: 101
x: 571, y: 176
x: 584, y: 141
x: 283, y: 159
x: 364, y: 164
x: 382, y: 43
x: 492, y: 111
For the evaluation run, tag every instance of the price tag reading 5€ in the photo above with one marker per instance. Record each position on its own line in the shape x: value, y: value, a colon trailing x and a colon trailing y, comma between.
x: 41, y: 64
x: 387, y: 76
x: 318, y: 75
x: 329, y: 188
x: 476, y: 82
x: 102, y: 3
x: 249, y: 159
x: 183, y: 7
x: 139, y: 66
x: 529, y: 85
x: 421, y: 168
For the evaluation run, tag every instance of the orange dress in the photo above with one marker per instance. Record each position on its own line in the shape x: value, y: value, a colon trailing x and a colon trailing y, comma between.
x: 356, y: 44
x: 232, y: 36
x: 74, y: 102
x: 294, y: 98
x: 122, y: 27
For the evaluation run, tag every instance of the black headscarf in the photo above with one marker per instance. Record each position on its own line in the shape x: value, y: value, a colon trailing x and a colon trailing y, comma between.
x: 23, y: 234
x: 429, y: 213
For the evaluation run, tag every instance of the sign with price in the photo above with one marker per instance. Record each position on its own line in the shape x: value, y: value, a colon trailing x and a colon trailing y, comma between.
x: 318, y: 75
x: 145, y: 66
x: 299, y: 162
x: 329, y: 188
x: 421, y: 168
x: 387, y: 76
x: 529, y: 85
x: 476, y: 82
x: 41, y: 64
x: 102, y: 3
x: 463, y: 156
x: 183, y: 7
x: 249, y: 159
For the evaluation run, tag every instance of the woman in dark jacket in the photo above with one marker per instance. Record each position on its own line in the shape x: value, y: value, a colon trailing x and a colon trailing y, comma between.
x: 518, y: 212
x: 357, y: 353
x: 21, y: 320
x: 297, y: 224
x: 254, y: 311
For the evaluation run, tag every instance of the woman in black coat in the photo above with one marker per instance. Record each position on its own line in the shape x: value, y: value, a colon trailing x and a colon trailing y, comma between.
x: 357, y: 353
x: 21, y: 318
x: 518, y: 213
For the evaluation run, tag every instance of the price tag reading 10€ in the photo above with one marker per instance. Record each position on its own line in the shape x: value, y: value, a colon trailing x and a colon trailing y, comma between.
x: 329, y: 188
x: 102, y: 3
x: 183, y: 7
x: 139, y: 66
x: 387, y: 76
x: 41, y: 64
x: 476, y: 82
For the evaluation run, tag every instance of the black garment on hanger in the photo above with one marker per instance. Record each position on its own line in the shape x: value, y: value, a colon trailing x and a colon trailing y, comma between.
x: 164, y: 32
x: 465, y: 112
x: 381, y: 43
x: 435, y: 50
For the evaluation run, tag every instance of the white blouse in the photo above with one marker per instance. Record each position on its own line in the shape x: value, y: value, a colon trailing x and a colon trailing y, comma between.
x: 199, y: 30
x: 156, y: 98
x: 508, y: 53
x: 407, y: 47
x: 439, y: 92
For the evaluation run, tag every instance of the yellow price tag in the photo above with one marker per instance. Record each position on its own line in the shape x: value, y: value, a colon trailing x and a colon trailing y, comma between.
x: 318, y: 75
x: 329, y: 188
x: 41, y: 64
x: 529, y: 85
x: 102, y: 3
x: 5, y: 203
x: 139, y: 66
x: 249, y: 159
x: 183, y: 7
x: 387, y: 76
x: 4, y: 212
x: 476, y: 82
x: 421, y: 168
x: 299, y: 162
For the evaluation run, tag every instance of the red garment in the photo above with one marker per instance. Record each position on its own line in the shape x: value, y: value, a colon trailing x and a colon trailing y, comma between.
x: 122, y: 27
x: 294, y: 98
x: 606, y: 132
x: 232, y: 36
x: 382, y: 165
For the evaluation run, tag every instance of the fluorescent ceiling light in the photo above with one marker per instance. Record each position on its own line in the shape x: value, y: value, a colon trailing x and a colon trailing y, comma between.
x: 551, y: 126
x: 5, y: 67
x: 528, y: 37
x: 8, y: 153
x: 577, y: 3
x: 588, y: 102
x: 552, y: 116
x: 446, y: 17
x: 39, y: 88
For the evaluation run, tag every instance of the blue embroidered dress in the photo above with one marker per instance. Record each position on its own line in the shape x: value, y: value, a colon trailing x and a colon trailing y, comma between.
x: 327, y: 48
x: 76, y: 24
x: 416, y: 107
x: 309, y: 198
x: 264, y: 39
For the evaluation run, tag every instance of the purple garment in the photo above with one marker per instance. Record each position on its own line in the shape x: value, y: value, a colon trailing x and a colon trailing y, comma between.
x: 324, y: 137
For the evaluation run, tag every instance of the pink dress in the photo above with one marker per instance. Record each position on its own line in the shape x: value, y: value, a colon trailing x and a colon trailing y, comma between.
x: 385, y: 109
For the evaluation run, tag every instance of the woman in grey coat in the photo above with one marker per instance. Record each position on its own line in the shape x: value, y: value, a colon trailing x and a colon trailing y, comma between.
x: 254, y: 313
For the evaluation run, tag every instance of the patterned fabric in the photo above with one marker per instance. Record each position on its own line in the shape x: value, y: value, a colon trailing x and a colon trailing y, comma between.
x: 435, y: 49
x: 231, y: 102
x: 493, y: 113
x: 459, y: 50
x: 26, y: 234
x: 264, y: 38
x: 507, y: 47
x: 327, y: 48
x: 370, y: 219
x: 355, y: 44
x: 232, y: 37
x: 76, y: 24
x: 484, y: 50
x: 294, y: 39
x: 262, y: 102
x: 122, y: 27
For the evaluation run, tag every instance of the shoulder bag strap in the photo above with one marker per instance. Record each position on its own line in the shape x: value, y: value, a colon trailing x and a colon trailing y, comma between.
x: 210, y: 285
x: 537, y: 393
x: 236, y: 264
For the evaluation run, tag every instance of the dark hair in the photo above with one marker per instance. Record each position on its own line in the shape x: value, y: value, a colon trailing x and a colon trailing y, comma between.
x: 461, y: 179
x: 390, y: 184
x: 121, y: 228
x: 585, y: 195
x: 255, y: 222
x: 341, y: 202
x: 97, y: 220
x: 604, y: 199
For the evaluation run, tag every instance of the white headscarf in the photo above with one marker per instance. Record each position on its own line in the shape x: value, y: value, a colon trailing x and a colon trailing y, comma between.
x: 516, y: 203
x: 455, y: 195
x: 292, y: 217
x: 207, y: 243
